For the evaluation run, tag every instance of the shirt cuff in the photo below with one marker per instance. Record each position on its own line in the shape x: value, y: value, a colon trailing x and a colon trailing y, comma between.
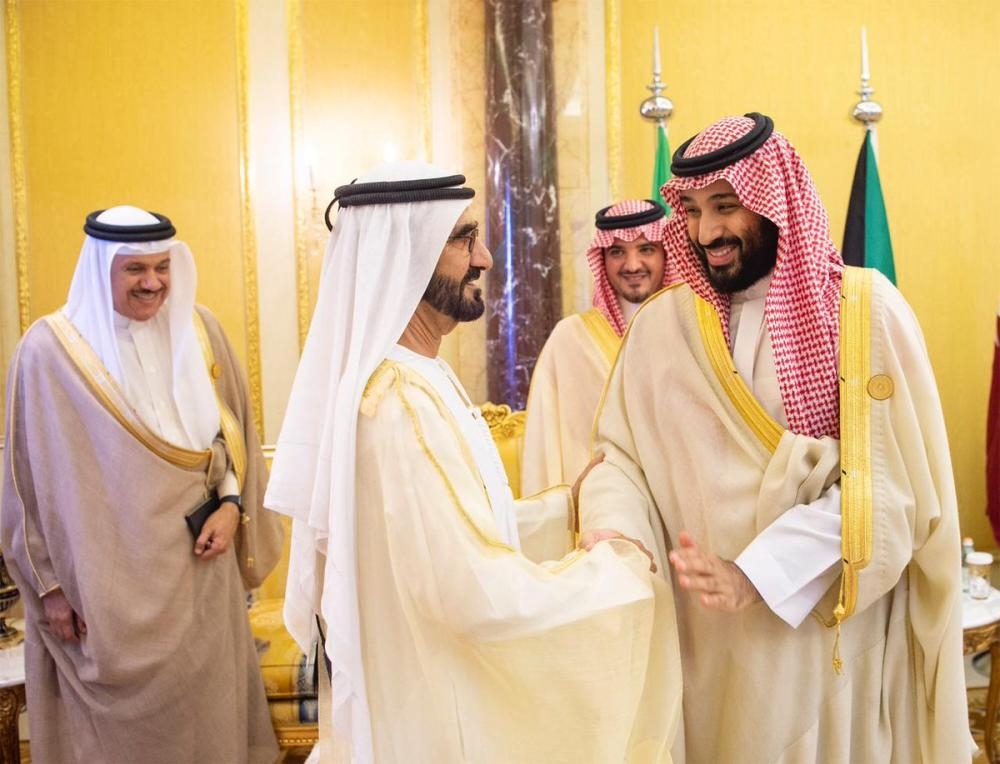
x: 229, y: 485
x: 794, y: 560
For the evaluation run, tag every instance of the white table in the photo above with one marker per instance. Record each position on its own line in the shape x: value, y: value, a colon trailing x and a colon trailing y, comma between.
x: 981, y: 630
x: 11, y: 697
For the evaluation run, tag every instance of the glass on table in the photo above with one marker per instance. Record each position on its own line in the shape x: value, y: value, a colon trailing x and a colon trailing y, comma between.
x: 980, y: 565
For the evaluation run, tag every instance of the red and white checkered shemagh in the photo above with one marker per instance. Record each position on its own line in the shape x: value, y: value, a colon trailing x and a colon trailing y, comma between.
x: 802, y: 307
x: 605, y: 297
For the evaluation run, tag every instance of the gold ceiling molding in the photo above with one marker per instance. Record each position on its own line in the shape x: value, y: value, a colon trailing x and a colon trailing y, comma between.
x: 296, y: 77
x: 251, y: 302
x: 613, y: 92
x: 18, y: 182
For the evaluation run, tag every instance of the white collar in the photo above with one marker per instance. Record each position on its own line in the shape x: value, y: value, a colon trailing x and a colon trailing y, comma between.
x: 756, y: 291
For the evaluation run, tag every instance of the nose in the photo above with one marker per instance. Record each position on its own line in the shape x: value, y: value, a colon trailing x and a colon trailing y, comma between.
x: 149, y: 281
x: 710, y: 228
x: 481, y: 256
x: 633, y: 262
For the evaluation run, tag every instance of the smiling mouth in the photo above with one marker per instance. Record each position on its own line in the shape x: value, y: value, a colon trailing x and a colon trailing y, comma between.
x: 635, y: 279
x: 721, y: 256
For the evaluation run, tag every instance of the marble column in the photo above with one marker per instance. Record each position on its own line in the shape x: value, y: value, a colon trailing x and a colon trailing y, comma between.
x: 523, y: 290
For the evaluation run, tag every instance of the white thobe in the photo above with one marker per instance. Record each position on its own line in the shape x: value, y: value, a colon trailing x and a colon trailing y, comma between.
x: 147, y: 372
x: 794, y: 560
x: 476, y: 432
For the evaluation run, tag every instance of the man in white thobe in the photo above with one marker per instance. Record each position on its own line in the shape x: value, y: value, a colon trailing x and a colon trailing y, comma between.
x: 457, y: 627
x: 627, y: 260
x: 772, y: 427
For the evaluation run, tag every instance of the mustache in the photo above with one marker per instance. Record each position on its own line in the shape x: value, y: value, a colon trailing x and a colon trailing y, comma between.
x: 471, y: 275
x: 722, y: 241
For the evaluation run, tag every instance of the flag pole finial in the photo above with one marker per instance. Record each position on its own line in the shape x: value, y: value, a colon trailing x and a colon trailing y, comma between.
x: 866, y: 111
x: 657, y: 108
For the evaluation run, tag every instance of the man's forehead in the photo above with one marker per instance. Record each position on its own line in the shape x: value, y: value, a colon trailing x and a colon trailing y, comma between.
x: 640, y: 239
x: 719, y: 189
x: 147, y: 257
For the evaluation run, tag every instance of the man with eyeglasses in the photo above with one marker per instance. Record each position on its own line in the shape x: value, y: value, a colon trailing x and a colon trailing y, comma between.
x: 450, y: 636
x: 627, y: 260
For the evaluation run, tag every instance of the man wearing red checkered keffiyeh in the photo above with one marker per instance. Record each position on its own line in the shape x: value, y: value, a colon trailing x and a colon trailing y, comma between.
x: 773, y: 429
x: 627, y: 260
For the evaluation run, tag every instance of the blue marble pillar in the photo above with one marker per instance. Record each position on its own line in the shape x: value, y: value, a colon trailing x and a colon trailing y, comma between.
x: 524, y: 299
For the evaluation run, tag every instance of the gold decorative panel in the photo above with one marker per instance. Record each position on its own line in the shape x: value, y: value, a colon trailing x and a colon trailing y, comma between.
x: 140, y: 103
x: 359, y: 97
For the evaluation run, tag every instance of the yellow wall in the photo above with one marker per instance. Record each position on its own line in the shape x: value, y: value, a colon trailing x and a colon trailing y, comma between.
x: 935, y: 71
x: 139, y: 100
x: 130, y: 102
x: 361, y: 100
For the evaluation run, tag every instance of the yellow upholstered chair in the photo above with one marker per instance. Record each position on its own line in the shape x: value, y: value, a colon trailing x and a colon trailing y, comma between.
x: 507, y: 429
x: 290, y: 678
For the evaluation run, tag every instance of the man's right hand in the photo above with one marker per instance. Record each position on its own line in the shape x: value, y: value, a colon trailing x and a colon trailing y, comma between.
x: 589, y: 538
x: 63, y: 622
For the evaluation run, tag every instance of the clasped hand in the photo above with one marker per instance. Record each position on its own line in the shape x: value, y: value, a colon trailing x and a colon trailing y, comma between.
x: 589, y: 538
x: 720, y: 584
x: 62, y: 619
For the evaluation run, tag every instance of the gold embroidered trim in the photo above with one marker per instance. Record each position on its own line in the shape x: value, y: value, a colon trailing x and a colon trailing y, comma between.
x: 406, y: 374
x: 110, y: 395
x: 376, y: 387
x: 757, y: 419
x: 391, y: 374
x: 12, y: 441
x: 855, y: 434
x: 232, y: 433
x: 601, y: 333
x: 614, y: 363
x: 483, y: 537
x: 400, y: 382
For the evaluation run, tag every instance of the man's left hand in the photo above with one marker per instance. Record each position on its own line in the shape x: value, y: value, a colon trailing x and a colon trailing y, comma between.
x: 719, y: 584
x: 218, y: 532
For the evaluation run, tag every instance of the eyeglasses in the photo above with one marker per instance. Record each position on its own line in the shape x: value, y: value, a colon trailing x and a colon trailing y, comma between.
x: 472, y: 237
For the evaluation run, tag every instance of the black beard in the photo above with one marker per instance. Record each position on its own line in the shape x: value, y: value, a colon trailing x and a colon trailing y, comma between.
x: 445, y: 295
x: 637, y: 299
x: 757, y: 257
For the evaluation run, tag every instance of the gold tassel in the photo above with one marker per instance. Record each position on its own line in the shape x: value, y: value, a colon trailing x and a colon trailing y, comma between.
x: 839, y: 614
x: 838, y: 664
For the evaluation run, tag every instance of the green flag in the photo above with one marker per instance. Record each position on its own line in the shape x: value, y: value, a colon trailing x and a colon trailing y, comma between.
x: 866, y: 232
x: 661, y: 167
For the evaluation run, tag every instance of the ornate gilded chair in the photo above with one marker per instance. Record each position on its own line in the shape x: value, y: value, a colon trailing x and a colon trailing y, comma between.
x: 290, y: 677
x: 507, y: 429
